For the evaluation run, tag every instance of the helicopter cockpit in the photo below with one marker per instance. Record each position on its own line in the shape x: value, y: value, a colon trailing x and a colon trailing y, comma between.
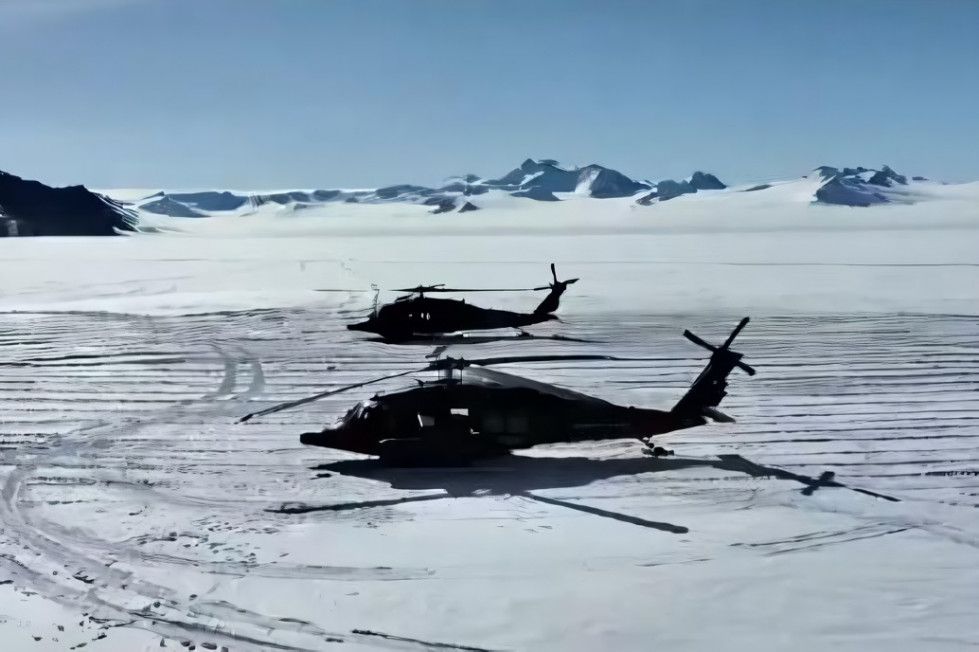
x: 357, y: 413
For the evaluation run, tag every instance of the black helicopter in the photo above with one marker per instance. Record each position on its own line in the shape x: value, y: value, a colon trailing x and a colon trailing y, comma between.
x: 458, y: 419
x: 416, y: 316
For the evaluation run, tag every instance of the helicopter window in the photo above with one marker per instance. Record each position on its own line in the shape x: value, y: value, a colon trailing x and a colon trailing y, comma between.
x: 426, y: 420
x: 463, y: 411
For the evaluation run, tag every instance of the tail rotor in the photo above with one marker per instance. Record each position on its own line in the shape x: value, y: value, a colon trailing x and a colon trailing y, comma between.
x: 557, y: 288
x: 708, y: 390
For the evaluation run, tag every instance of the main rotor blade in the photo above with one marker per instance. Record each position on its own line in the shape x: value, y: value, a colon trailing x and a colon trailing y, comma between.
x: 427, y: 291
x: 446, y: 363
x: 316, y: 397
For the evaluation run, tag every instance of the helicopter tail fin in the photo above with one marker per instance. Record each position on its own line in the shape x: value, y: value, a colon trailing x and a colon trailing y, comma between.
x: 707, y: 392
x: 553, y: 298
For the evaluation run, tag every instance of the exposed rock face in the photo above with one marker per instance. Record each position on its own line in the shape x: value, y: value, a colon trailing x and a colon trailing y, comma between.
x: 168, y: 206
x: 467, y: 207
x: 540, y: 180
x: 607, y: 184
x: 888, y: 177
x: 210, y: 200
x: 444, y: 206
x: 540, y: 194
x: 669, y: 189
x: 862, y: 186
x: 705, y: 181
x: 32, y: 208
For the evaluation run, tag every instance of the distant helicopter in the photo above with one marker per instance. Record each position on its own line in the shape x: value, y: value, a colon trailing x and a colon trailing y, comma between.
x: 458, y: 419
x: 416, y: 316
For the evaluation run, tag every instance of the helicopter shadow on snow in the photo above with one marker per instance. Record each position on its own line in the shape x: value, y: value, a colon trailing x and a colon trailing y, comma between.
x: 517, y: 475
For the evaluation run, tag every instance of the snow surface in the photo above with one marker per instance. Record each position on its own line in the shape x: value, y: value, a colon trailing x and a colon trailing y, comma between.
x: 136, y: 513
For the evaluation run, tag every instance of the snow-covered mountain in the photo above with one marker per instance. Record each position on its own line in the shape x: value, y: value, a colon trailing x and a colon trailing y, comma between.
x: 863, y: 186
x: 31, y: 208
x: 540, y: 180
x: 545, y: 180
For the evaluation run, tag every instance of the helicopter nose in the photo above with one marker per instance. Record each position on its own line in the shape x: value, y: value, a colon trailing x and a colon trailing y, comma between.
x: 335, y: 438
x: 311, y: 438
x: 367, y: 326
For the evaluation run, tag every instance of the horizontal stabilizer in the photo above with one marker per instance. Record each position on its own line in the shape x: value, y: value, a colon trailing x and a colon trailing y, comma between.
x: 717, y: 415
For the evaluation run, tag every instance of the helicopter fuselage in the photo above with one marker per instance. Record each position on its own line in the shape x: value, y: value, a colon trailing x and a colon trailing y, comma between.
x: 426, y: 316
x: 488, y: 421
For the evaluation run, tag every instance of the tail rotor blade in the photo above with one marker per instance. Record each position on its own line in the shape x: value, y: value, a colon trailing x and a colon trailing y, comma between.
x: 698, y: 341
x: 734, y: 333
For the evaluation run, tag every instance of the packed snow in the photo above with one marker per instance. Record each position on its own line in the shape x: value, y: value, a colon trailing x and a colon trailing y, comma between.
x: 137, y: 514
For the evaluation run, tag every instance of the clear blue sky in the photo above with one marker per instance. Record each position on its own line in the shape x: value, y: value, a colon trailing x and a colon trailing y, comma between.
x: 328, y: 93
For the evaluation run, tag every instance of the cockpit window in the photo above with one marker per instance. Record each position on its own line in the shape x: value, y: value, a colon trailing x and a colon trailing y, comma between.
x: 355, y: 413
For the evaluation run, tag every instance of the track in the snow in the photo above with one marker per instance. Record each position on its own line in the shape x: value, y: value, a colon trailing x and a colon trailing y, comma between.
x: 132, y: 419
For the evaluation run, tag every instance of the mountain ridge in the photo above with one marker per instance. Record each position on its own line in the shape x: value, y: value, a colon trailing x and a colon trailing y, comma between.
x: 546, y: 180
x: 32, y: 208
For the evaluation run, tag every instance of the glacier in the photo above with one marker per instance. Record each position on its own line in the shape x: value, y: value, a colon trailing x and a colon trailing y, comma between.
x: 137, y: 515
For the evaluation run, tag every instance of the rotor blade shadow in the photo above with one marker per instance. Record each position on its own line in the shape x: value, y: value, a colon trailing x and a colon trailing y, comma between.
x: 595, y: 511
x: 517, y: 474
x: 294, y: 508
x: 508, y: 474
x: 738, y: 463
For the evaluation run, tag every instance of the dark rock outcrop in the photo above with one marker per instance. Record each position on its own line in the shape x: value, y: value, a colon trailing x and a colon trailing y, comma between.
x: 887, y: 177
x: 706, y: 181
x: 608, y: 183
x: 210, y: 200
x: 396, y: 191
x: 541, y: 179
x: 540, y: 194
x: 862, y: 187
x: 665, y: 190
x: 167, y: 206
x: 670, y: 189
x: 444, y: 206
x: 468, y: 207
x: 32, y: 208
